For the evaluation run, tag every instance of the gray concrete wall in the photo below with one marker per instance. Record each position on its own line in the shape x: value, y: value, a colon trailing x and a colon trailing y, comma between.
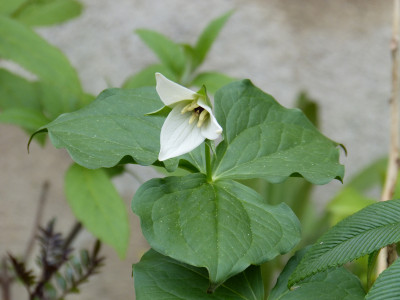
x: 336, y: 50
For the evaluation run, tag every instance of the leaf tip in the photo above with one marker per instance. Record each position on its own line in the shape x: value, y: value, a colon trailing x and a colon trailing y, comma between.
x: 33, y: 135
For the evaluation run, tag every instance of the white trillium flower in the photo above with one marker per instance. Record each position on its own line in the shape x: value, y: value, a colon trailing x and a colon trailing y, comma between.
x: 189, y: 123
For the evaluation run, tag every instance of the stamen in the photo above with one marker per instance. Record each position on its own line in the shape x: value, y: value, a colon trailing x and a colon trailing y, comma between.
x: 185, y: 109
x: 191, y: 106
x: 192, y: 118
x: 203, y: 115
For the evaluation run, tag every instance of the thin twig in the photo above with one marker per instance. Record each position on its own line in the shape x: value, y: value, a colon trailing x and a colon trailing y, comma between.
x: 388, y: 254
x: 38, y: 220
x: 5, y: 280
x: 72, y: 235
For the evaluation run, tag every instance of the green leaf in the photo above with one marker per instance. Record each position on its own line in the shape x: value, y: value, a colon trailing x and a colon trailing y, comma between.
x: 23, y: 46
x: 347, y: 202
x: 160, y: 277
x: 170, y: 54
x: 223, y: 226
x: 16, y: 91
x: 96, y: 203
x: 44, y: 13
x: 386, y: 286
x: 110, y: 128
x: 7, y: 6
x: 262, y: 139
x: 333, y: 284
x: 28, y: 119
x: 212, y: 80
x: 208, y: 36
x: 146, y: 77
x: 368, y: 230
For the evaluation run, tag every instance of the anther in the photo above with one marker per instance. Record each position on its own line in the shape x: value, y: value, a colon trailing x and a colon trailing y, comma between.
x: 203, y: 115
x: 191, y: 106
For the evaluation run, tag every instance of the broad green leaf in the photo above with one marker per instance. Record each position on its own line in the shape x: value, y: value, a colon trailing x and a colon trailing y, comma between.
x: 27, y: 118
x: 16, y: 91
x: 96, y: 203
x: 208, y: 36
x: 161, y: 277
x: 332, y: 284
x: 265, y: 140
x: 223, y: 226
x: 212, y: 80
x: 368, y: 230
x: 146, y: 77
x: 386, y: 286
x: 110, y: 128
x: 9, y: 6
x: 42, y: 13
x: 195, y: 158
x: 170, y: 54
x: 23, y: 46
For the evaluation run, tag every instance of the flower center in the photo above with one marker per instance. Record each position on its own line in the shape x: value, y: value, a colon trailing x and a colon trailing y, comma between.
x: 198, y: 112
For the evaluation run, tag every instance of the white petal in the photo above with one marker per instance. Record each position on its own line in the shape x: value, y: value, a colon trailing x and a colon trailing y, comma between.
x: 177, y: 135
x: 171, y: 92
x: 211, y: 129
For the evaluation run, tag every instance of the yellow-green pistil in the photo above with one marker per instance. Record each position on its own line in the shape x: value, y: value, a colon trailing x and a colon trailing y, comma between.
x: 197, y: 113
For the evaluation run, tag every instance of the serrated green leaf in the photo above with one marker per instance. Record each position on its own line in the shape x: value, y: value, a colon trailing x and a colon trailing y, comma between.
x: 368, y: 230
x: 386, y: 286
x: 96, y: 203
x: 262, y: 139
x: 23, y: 46
x: 16, y: 91
x: 110, y: 128
x: 146, y: 77
x: 223, y: 226
x: 207, y: 38
x: 212, y: 80
x: 170, y: 54
x: 332, y: 284
x: 44, y: 13
x: 161, y: 277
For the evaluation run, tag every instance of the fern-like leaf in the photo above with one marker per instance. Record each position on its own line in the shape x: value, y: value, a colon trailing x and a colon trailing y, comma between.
x: 386, y: 286
x: 360, y: 234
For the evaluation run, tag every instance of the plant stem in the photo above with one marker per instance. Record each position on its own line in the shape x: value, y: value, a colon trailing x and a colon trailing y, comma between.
x: 388, y: 254
x: 208, y: 162
x: 38, y: 219
x: 5, y: 280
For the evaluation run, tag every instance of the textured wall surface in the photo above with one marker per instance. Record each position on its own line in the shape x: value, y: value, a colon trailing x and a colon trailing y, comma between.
x: 338, y: 51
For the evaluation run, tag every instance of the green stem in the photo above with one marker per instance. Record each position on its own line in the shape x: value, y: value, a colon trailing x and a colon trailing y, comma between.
x: 208, y: 163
